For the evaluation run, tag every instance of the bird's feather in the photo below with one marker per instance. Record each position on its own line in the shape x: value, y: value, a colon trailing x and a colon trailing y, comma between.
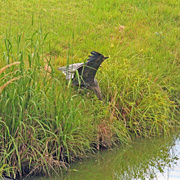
x: 69, y: 70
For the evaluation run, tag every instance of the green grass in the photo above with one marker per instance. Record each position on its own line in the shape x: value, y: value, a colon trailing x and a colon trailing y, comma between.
x: 45, y: 123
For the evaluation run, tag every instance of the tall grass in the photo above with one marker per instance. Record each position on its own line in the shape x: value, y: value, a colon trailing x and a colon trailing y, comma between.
x: 145, y: 108
x: 45, y: 123
x: 42, y: 123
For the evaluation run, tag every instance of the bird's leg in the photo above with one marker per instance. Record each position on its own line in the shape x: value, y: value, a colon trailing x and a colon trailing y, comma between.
x: 96, y: 89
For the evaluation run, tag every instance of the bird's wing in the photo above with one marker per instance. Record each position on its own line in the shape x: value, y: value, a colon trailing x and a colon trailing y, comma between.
x: 88, y: 71
x: 70, y: 70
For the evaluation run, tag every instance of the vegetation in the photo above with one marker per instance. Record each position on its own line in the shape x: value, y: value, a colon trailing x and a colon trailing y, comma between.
x: 45, y: 123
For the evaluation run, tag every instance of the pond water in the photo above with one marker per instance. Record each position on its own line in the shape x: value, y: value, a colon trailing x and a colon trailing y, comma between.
x: 155, y: 158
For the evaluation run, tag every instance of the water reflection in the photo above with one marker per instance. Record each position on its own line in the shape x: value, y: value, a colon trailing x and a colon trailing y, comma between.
x: 156, y: 158
x: 172, y: 169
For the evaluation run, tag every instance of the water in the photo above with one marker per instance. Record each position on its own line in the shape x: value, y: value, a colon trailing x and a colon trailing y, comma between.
x: 155, y: 158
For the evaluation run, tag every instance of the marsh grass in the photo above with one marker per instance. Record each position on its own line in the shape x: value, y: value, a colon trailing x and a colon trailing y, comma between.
x: 45, y: 122
x: 142, y: 104
x: 42, y: 124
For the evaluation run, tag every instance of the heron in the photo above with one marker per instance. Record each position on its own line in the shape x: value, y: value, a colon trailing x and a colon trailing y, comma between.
x: 83, y: 74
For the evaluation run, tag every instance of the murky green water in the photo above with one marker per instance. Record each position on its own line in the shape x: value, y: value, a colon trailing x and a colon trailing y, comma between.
x: 155, y: 158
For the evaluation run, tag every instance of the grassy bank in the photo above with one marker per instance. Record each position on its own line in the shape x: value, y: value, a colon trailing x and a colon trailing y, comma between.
x: 45, y: 123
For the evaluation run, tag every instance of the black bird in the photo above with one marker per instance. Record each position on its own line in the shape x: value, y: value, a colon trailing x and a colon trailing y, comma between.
x: 85, y: 78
